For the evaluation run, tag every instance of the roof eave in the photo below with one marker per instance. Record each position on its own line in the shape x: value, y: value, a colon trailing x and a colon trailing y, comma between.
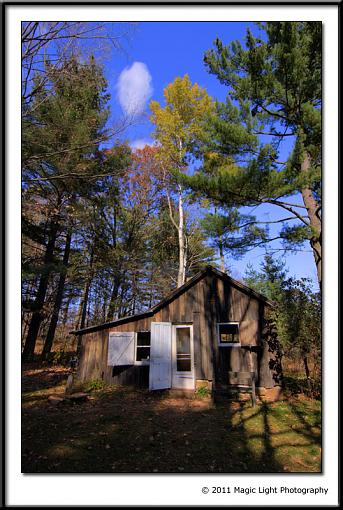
x: 107, y: 325
x: 173, y: 295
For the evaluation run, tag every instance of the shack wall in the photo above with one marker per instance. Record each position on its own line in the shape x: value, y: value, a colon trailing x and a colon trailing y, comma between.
x: 208, y: 302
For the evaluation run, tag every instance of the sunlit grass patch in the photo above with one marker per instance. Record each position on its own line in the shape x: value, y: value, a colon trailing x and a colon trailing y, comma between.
x: 123, y: 430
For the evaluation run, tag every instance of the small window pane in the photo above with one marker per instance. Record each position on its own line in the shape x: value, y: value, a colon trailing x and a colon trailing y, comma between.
x: 183, y: 341
x: 183, y: 365
x: 228, y: 333
x: 143, y: 353
x: 143, y: 338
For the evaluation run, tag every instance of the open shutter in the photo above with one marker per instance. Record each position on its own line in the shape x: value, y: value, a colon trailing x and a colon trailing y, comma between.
x: 121, y: 349
x: 160, y: 356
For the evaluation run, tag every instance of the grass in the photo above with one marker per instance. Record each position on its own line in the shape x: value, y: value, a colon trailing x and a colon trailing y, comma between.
x: 123, y: 430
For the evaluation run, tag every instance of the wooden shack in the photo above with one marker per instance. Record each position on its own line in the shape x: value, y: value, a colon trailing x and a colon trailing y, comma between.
x: 209, y: 332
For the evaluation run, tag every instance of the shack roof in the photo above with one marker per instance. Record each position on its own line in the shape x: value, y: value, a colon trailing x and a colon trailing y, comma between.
x: 208, y: 271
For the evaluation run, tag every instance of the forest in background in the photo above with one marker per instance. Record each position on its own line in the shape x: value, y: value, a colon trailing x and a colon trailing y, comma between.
x: 108, y: 231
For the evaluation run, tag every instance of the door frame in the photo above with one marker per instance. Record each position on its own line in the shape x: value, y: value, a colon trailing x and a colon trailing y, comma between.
x: 187, y: 377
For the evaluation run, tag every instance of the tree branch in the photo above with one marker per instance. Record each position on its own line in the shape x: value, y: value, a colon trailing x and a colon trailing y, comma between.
x: 284, y: 205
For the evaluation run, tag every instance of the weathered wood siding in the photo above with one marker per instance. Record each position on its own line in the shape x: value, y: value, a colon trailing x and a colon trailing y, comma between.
x: 93, y: 362
x: 207, y: 303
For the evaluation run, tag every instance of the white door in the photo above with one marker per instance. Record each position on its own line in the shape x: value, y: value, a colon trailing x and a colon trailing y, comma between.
x: 160, y: 356
x: 183, y: 357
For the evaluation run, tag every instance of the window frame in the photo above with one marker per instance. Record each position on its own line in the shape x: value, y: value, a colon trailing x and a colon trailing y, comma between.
x: 143, y: 361
x: 228, y: 344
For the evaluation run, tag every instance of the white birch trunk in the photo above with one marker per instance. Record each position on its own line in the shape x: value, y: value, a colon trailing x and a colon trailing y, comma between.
x: 182, y: 245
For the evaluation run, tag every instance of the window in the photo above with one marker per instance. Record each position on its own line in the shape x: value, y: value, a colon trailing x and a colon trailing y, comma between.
x: 143, y: 346
x: 121, y: 348
x: 228, y: 333
x: 183, y: 349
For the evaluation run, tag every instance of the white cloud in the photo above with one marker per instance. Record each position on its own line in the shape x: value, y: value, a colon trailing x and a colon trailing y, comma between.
x: 134, y: 88
x: 141, y: 143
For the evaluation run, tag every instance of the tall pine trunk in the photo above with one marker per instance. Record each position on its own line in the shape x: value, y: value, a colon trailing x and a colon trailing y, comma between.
x: 84, y: 302
x: 115, y: 284
x: 37, y: 316
x: 66, y: 310
x: 113, y: 299
x: 312, y: 208
x: 58, y: 300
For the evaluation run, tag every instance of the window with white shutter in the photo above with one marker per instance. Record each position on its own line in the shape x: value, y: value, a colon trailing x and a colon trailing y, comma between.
x: 121, y: 349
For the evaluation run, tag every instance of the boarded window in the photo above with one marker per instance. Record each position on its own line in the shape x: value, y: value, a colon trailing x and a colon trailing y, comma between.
x: 228, y: 333
x: 121, y: 349
x: 143, y: 346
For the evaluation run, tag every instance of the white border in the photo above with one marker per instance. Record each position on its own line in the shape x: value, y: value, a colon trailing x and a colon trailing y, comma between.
x: 153, y: 489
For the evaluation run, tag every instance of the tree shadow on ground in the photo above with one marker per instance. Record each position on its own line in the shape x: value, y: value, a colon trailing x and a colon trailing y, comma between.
x: 135, y: 431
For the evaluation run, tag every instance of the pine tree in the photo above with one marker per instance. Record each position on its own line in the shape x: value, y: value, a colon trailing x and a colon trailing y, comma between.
x: 274, y: 91
x: 60, y: 143
x: 296, y: 313
x: 232, y: 233
x: 270, y: 279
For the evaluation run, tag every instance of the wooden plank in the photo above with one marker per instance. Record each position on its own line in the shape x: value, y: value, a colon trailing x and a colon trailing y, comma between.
x: 193, y: 306
x: 208, y: 308
x: 165, y: 314
x: 214, y: 346
x: 221, y: 312
x: 249, y: 325
x: 88, y: 357
x: 196, y: 298
x: 203, y: 331
x: 158, y: 316
x: 174, y: 310
x: 199, y: 372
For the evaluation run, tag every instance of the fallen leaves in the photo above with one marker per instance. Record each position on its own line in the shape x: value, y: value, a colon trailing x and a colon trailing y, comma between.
x: 124, y: 431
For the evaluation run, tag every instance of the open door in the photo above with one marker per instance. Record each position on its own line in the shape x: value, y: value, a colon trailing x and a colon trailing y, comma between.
x: 160, y: 356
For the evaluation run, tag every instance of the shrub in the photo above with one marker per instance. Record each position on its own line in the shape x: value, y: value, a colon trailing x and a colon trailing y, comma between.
x: 202, y: 392
x: 60, y: 358
x: 95, y: 385
x: 297, y: 385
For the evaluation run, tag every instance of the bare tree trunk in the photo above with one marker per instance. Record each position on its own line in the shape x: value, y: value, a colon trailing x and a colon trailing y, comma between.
x: 113, y: 299
x: 313, y: 211
x: 116, y: 282
x: 86, y: 292
x: 181, y: 277
x: 37, y: 315
x: 84, y: 302
x: 58, y: 300
x: 66, y: 310
x: 221, y: 255
x: 307, y: 372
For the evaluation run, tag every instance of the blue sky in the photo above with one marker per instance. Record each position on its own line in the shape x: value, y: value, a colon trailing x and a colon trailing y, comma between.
x: 155, y: 55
